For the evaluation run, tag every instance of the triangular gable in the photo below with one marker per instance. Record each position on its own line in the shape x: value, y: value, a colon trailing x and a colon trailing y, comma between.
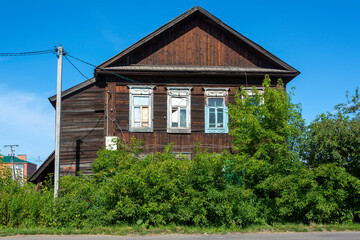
x: 197, y: 38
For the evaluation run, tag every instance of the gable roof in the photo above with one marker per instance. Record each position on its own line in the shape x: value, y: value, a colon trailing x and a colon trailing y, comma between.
x: 46, y: 167
x: 209, y: 17
x: 71, y: 90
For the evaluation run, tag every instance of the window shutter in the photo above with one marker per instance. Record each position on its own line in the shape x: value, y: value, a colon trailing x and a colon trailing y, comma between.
x: 206, y: 119
x: 226, y: 120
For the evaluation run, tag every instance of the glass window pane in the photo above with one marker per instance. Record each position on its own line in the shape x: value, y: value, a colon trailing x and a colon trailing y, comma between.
x: 212, y: 117
x: 211, y: 102
x: 137, y: 114
x: 145, y: 117
x: 174, y: 117
x: 182, y: 117
x: 252, y: 100
x: 216, y: 102
x: 141, y: 100
x: 220, y: 118
x: 178, y: 102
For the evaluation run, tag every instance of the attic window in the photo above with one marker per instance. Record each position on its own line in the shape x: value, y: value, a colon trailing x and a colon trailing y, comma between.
x: 141, y: 109
x: 178, y: 112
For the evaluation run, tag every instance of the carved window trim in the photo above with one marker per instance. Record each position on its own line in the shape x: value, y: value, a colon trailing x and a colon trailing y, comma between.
x: 178, y: 92
x: 141, y: 90
x: 250, y: 93
x: 216, y: 93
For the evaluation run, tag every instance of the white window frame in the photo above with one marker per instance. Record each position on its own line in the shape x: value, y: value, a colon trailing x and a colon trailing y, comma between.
x: 140, y: 90
x: 179, y: 92
x: 216, y: 93
x: 250, y: 93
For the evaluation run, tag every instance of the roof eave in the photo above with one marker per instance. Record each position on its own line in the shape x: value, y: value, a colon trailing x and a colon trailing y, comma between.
x: 35, y: 176
x: 195, y: 73
x: 73, y: 89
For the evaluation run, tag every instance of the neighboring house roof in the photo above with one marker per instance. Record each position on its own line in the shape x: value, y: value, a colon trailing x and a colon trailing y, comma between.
x: 211, y: 18
x: 46, y: 167
x: 7, y: 159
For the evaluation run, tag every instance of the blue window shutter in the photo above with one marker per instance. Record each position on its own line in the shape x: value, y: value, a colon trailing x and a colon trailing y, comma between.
x: 206, y: 119
x: 226, y: 120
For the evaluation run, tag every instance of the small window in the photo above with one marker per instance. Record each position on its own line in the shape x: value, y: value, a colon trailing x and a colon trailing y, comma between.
x: 141, y: 109
x: 216, y: 112
x: 179, y: 120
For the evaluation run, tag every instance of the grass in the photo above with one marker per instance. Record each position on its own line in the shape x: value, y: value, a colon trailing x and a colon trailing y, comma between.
x: 171, y: 229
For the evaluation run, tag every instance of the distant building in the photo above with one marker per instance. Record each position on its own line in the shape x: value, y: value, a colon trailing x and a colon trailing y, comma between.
x: 23, y: 168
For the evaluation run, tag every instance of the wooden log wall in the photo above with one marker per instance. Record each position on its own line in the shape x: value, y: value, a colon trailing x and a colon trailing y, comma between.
x: 82, y: 129
x: 159, y: 139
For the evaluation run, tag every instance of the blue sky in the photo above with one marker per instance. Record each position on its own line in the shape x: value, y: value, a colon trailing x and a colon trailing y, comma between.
x: 319, y: 38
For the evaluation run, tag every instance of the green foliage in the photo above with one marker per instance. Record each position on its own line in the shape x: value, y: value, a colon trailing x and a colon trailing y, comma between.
x: 266, y: 130
x: 264, y: 182
x: 161, y: 188
x: 335, y: 138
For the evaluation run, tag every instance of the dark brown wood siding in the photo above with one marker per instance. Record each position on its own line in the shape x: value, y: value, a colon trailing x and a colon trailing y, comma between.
x: 82, y: 129
x: 196, y: 42
x: 156, y: 141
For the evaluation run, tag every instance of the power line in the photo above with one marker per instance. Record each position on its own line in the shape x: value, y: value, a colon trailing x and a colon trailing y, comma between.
x: 123, y: 77
x: 18, y: 54
x: 96, y: 67
x: 75, y: 67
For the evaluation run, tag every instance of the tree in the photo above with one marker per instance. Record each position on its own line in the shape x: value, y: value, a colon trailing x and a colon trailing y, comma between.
x: 335, y: 137
x: 266, y: 130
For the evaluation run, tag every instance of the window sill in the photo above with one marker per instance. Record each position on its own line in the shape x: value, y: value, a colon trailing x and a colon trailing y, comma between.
x: 178, y: 130
x: 141, y: 130
x: 219, y: 130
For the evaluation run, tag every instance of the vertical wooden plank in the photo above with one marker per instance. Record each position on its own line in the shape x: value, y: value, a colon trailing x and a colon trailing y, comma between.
x: 112, y: 107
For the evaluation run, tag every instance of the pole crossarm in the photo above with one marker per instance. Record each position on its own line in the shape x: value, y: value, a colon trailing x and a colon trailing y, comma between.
x: 12, y: 158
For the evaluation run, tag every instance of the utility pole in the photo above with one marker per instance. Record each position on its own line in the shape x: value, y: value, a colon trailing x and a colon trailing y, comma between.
x: 60, y: 53
x: 12, y: 158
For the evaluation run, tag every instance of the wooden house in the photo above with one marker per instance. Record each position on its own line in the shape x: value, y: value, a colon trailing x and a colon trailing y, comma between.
x: 172, y: 86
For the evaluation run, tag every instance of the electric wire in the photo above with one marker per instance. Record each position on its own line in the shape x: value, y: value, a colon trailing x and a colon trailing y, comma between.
x: 103, y: 69
x: 117, y: 125
x: 27, y: 53
x: 126, y: 78
x: 113, y: 120
x: 75, y: 67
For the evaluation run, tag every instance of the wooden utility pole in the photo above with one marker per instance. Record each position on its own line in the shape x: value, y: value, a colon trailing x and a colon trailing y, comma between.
x: 12, y: 158
x: 60, y: 52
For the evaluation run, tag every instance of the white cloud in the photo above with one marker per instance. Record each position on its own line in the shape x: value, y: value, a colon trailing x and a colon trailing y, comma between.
x: 26, y: 119
x: 113, y: 38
